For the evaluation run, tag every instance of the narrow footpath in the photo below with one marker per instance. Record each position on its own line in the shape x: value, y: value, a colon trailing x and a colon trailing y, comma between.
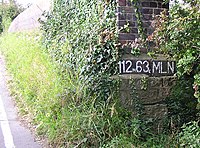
x: 12, y: 132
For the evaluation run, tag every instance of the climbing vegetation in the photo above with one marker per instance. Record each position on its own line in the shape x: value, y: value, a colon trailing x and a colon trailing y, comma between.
x: 63, y: 79
x: 178, y: 36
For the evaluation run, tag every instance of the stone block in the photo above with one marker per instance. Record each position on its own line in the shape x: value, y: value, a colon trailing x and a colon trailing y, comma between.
x: 157, y: 111
x: 128, y: 9
x: 147, y: 17
x: 121, y: 23
x: 153, y: 4
x: 126, y: 100
x: 147, y: 11
x: 125, y: 85
x: 129, y: 16
x: 157, y: 11
x: 121, y: 16
x: 164, y: 92
x: 169, y: 81
x: 156, y: 116
x: 150, y: 96
x: 155, y: 82
x: 133, y: 30
x: 138, y: 84
x: 145, y: 4
x: 146, y: 24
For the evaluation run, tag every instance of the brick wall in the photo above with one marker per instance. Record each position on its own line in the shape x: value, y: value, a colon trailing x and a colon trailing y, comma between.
x: 126, y: 15
x: 149, y: 103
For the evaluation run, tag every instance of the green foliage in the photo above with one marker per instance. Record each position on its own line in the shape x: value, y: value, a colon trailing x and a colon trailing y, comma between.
x: 178, y: 36
x: 93, y: 127
x: 80, y: 36
x: 67, y: 119
x: 36, y: 82
x: 161, y: 141
x: 100, y: 67
x: 190, y: 135
x: 74, y: 102
x: 8, y: 12
x: 182, y: 104
x: 139, y: 19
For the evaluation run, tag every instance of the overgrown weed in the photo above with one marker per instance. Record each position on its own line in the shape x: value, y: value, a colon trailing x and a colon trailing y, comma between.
x: 60, y: 107
x: 55, y: 97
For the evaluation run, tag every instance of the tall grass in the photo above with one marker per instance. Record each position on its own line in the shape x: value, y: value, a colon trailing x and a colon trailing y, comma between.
x: 36, y: 80
x: 58, y: 105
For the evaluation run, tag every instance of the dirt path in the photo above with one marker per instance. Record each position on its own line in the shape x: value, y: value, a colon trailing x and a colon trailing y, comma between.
x: 12, y: 133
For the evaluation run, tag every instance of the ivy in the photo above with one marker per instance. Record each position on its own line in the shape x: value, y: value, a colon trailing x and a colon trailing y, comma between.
x: 140, y: 41
x: 81, y: 36
x: 138, y: 14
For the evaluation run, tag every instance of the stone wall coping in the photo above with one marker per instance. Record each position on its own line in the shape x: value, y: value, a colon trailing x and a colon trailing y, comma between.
x: 144, y: 56
x: 138, y: 76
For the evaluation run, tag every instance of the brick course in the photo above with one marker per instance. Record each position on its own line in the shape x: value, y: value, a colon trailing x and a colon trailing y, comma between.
x: 126, y: 15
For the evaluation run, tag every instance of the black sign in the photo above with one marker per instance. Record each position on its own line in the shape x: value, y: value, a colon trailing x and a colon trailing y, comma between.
x: 149, y: 67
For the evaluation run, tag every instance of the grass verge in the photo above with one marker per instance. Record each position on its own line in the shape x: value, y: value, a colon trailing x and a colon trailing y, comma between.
x: 36, y: 80
x: 60, y: 109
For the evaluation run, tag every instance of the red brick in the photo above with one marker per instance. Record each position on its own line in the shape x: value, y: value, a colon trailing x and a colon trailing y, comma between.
x: 122, y: 2
x: 126, y: 36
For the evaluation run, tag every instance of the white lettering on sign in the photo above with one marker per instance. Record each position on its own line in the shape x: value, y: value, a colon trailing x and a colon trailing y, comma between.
x: 156, y: 68
x: 139, y: 66
x: 150, y: 67
x: 170, y: 66
x: 162, y: 69
x: 146, y: 67
x: 129, y: 63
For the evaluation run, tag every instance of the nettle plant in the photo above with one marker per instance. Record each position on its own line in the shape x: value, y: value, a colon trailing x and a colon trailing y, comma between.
x: 178, y: 36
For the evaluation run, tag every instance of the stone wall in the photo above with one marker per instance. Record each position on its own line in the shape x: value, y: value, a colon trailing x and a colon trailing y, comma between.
x: 146, y: 97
